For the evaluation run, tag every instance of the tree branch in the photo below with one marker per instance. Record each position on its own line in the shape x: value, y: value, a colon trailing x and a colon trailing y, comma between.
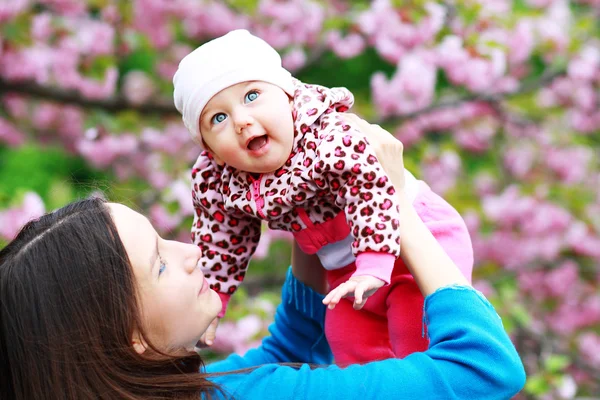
x: 119, y: 103
x: 115, y: 104
x: 485, y: 98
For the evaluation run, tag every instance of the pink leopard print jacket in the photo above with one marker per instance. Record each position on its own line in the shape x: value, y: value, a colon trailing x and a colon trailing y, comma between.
x: 332, y: 181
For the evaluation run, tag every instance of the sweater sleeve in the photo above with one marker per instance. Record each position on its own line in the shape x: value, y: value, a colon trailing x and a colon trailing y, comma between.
x: 297, y: 334
x: 347, y: 166
x: 227, y: 241
x: 470, y: 357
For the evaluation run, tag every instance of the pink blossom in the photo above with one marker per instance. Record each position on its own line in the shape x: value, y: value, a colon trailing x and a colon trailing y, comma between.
x: 12, y: 8
x: 540, y: 3
x: 41, y: 26
x: 294, y: 59
x: 211, y: 20
x: 477, y: 135
x: 180, y: 192
x: 521, y: 43
x: 45, y: 115
x: 570, y: 164
x: 410, y: 89
x: 585, y: 98
x: 13, y: 219
x: 584, y: 122
x: 494, y: 8
x: 519, y: 160
x: 110, y: 14
x: 70, y: 125
x: 441, y: 172
x: 553, y: 28
x: 94, y: 89
x: 9, y: 134
x: 31, y: 63
x: 409, y: 133
x: 391, y: 35
x: 589, y: 348
x: 138, y: 88
x: 91, y: 37
x: 345, y: 47
x: 508, y: 208
x: 105, y: 150
x: 16, y: 105
x: 173, y: 140
x: 545, y: 219
x: 151, y: 17
x: 485, y: 184
x: 485, y: 288
x: 560, y: 280
x: 237, y: 336
x: 65, y: 7
x: 154, y: 171
x: 167, y: 66
x: 301, y: 20
x: 477, y: 74
x: 575, y: 313
x: 531, y: 281
x: 586, y: 64
x: 162, y: 219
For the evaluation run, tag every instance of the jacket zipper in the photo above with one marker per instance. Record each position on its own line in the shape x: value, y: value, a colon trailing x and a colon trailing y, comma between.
x: 260, y: 202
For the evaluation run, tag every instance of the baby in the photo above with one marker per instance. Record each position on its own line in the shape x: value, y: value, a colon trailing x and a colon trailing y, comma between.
x: 279, y: 150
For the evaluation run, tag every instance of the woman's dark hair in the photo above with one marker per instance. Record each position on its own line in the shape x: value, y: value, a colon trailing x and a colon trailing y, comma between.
x: 68, y: 309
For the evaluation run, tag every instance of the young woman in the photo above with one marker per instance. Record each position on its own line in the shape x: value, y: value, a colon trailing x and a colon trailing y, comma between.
x: 95, y: 305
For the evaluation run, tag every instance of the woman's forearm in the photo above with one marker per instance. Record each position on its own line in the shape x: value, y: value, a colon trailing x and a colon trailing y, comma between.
x: 308, y: 270
x: 431, y: 267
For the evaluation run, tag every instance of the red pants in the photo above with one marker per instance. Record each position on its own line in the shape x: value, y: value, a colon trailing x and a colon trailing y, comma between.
x: 390, y: 324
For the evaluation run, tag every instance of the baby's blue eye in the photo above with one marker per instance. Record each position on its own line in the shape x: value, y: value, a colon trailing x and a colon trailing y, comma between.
x: 218, y: 118
x: 161, y: 268
x: 251, y: 96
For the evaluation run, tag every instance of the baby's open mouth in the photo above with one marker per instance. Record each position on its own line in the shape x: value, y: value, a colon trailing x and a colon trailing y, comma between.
x: 257, y: 142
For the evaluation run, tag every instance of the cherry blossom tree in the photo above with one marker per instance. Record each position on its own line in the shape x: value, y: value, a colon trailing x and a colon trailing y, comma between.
x: 496, y: 101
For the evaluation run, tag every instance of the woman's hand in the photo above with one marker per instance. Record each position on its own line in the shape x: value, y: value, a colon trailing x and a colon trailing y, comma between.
x: 422, y: 254
x: 387, y: 148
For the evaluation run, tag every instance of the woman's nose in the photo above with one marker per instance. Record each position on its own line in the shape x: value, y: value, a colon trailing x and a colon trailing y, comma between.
x: 192, y: 257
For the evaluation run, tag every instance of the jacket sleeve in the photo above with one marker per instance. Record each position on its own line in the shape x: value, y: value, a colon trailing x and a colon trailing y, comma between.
x: 470, y: 356
x: 297, y: 333
x: 346, y: 165
x: 227, y: 241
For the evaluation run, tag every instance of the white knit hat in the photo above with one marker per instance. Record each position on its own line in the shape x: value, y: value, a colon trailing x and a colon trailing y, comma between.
x: 225, y: 61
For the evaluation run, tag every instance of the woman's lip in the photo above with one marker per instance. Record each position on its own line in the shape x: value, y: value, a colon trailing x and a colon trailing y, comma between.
x: 204, y: 286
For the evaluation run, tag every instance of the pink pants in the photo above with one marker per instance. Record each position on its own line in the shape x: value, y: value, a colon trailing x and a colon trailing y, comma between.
x: 390, y: 323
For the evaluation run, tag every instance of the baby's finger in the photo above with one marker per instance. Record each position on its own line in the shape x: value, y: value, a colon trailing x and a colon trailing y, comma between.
x: 358, y: 297
x: 329, y: 297
x: 340, y: 292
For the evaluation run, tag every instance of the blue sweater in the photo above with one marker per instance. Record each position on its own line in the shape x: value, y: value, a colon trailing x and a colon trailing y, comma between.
x: 469, y: 356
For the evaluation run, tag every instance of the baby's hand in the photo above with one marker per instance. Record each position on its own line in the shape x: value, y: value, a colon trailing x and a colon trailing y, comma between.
x: 208, y: 337
x: 361, y: 287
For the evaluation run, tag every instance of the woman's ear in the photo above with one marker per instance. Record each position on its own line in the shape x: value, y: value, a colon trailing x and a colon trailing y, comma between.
x: 139, y: 344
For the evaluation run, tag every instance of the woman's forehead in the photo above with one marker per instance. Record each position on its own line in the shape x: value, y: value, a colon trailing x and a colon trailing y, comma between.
x: 135, y: 231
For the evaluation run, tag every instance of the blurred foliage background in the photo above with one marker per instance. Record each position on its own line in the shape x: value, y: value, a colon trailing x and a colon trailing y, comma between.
x: 496, y: 101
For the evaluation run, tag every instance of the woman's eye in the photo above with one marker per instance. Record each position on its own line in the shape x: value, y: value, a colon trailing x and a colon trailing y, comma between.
x: 251, y: 96
x: 162, y: 267
x: 218, y: 118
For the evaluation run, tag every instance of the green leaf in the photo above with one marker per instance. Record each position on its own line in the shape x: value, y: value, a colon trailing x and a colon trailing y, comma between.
x: 556, y: 363
x: 537, y: 385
